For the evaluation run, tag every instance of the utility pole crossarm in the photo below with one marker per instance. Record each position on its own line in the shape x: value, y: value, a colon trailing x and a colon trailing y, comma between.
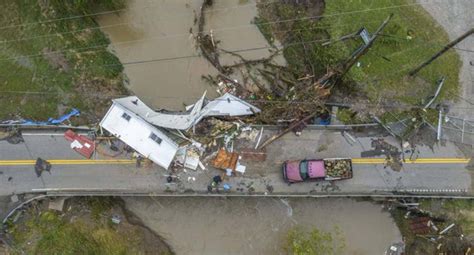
x: 350, y: 62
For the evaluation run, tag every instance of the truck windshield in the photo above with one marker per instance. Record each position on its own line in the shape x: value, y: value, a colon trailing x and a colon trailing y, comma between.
x: 304, y: 169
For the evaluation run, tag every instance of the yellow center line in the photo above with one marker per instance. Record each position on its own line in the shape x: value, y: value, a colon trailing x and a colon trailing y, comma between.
x: 415, y: 161
x: 360, y: 161
x: 69, y: 162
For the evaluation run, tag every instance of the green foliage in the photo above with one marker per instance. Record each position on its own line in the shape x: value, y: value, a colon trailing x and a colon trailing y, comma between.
x: 100, y: 205
x: 50, y: 234
x: 346, y: 116
x: 461, y: 210
x: 84, y: 6
x: 314, y: 242
x: 411, y: 37
x: 30, y: 55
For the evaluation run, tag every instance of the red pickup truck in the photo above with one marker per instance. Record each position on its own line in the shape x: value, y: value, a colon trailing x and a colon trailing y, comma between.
x: 317, y: 169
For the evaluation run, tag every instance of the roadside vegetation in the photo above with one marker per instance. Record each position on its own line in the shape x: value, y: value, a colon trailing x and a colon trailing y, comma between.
x: 54, y: 57
x: 86, y: 228
x: 379, y: 82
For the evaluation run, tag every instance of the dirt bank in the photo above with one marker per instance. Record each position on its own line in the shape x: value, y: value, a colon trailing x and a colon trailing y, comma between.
x: 84, y: 226
x: 259, y: 226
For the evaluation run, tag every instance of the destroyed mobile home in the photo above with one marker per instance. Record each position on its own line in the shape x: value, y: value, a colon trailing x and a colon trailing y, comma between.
x: 158, y: 135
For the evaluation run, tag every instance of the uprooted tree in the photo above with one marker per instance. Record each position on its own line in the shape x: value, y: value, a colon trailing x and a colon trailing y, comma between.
x: 286, y: 94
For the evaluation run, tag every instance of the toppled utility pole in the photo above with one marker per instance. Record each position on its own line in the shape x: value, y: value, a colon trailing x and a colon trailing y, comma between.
x: 442, y: 51
x: 288, y: 129
x: 335, y: 74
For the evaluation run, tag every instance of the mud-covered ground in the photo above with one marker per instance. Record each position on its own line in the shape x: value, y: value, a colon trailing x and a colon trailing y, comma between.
x: 259, y: 226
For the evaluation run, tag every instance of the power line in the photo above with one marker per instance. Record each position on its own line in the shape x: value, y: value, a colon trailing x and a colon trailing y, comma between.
x: 181, y: 57
x: 427, y: 43
x: 249, y: 49
x: 277, y: 21
x: 100, y: 46
x: 400, y: 70
x: 168, y: 36
x: 236, y: 51
x: 406, y: 107
x: 146, y: 39
x: 75, y: 17
x: 397, y: 106
x: 123, y: 9
x: 64, y: 18
x: 123, y: 23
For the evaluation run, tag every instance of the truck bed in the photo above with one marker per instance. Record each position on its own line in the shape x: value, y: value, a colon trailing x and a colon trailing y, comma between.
x: 338, y: 168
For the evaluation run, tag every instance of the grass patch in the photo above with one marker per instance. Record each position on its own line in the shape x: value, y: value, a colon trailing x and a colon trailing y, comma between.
x: 381, y: 76
x: 410, y: 38
x: 49, y: 59
x: 99, y: 205
x: 347, y: 116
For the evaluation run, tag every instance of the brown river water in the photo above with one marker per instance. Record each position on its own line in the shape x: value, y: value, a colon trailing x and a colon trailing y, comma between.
x: 158, y: 31
x: 259, y: 225
x: 153, y: 30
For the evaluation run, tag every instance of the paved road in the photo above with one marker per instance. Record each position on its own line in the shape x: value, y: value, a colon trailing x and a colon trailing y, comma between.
x: 456, y: 17
x: 72, y: 172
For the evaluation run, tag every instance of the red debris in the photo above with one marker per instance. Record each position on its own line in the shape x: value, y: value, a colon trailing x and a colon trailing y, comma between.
x: 82, y: 144
x: 420, y: 225
x: 253, y: 155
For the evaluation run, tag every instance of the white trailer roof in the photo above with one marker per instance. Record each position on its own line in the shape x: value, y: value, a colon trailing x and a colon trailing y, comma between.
x: 226, y: 105
x: 140, y: 135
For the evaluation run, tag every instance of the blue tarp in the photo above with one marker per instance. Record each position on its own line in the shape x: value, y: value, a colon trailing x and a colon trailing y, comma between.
x: 51, y: 121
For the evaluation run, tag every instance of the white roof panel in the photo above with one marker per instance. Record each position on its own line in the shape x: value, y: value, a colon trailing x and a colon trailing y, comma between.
x: 136, y: 132
x: 226, y: 105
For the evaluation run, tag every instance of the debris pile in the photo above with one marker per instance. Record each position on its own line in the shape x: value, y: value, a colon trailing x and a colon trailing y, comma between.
x: 42, y: 165
x: 427, y: 229
x: 189, y: 157
x: 338, y: 168
x: 381, y: 148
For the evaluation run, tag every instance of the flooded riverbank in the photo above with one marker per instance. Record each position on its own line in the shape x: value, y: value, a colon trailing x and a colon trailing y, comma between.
x: 155, y: 40
x: 259, y: 226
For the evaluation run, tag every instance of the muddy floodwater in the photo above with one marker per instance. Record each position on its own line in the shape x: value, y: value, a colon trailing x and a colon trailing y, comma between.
x: 259, y: 225
x: 155, y: 39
